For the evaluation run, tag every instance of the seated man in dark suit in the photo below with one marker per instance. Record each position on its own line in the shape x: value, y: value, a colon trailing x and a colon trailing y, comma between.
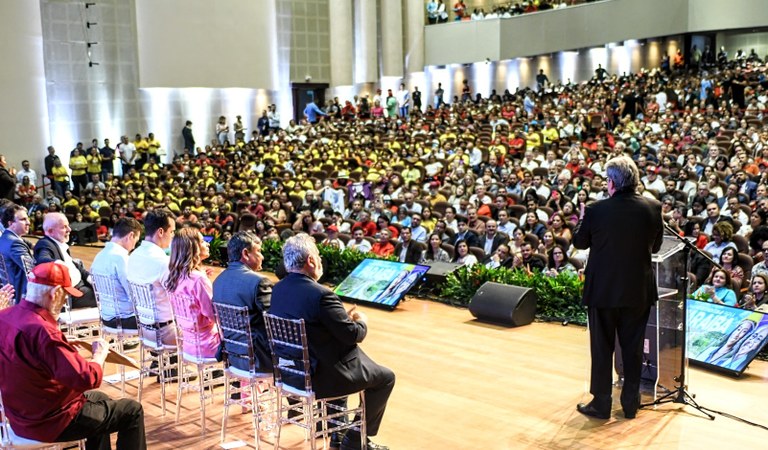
x: 527, y: 260
x: 14, y: 249
x: 339, y: 366
x: 53, y: 247
x: 491, y: 240
x: 240, y: 285
x: 464, y: 233
x: 407, y: 250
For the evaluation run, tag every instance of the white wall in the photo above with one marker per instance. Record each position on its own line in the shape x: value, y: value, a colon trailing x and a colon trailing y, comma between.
x: 24, y: 109
x: 204, y: 43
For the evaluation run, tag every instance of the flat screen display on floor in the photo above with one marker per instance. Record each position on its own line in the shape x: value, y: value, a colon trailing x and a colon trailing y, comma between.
x: 380, y: 283
x: 724, y: 337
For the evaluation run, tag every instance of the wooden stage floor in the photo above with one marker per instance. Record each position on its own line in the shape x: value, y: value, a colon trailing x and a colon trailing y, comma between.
x: 462, y: 384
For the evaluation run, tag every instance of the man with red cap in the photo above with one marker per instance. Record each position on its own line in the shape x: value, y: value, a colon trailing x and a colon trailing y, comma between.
x: 48, y: 388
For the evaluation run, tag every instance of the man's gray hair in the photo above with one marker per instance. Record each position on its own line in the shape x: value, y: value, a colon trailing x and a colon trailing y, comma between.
x: 622, y: 170
x: 240, y: 241
x: 37, y: 293
x: 296, y: 252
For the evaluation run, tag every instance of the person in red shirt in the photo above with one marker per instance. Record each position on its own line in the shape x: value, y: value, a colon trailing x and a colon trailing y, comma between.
x: 369, y: 228
x: 383, y: 247
x: 48, y: 388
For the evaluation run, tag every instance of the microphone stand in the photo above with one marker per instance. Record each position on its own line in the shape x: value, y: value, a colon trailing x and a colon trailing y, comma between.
x: 679, y: 394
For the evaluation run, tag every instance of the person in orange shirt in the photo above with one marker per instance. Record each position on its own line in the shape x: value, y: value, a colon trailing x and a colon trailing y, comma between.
x: 383, y: 247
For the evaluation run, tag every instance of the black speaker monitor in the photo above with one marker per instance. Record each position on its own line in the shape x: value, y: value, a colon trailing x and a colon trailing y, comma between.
x: 505, y: 304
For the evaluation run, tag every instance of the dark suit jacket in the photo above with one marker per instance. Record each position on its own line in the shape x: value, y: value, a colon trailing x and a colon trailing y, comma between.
x: 189, y: 140
x: 12, y: 247
x: 497, y: 240
x: 470, y: 237
x: 47, y: 250
x: 412, y: 255
x: 621, y: 232
x: 337, y: 362
x: 7, y: 184
x: 240, y: 286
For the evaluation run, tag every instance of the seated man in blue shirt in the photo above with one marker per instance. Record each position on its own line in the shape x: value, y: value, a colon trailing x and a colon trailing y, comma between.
x: 111, y: 262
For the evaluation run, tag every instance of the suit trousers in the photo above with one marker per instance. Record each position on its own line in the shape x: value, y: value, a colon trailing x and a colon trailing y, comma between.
x: 604, y: 325
x: 88, y: 300
x: 378, y: 382
x: 102, y: 416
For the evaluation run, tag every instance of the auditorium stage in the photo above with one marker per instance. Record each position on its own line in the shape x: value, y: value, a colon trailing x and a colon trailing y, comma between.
x: 462, y: 384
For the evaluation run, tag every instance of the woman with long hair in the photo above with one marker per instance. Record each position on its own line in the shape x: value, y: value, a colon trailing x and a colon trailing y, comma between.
x: 755, y: 298
x: 558, y: 262
x: 559, y: 226
x: 187, y: 279
x: 729, y: 259
x: 533, y: 225
x: 434, y: 252
x: 462, y: 255
x: 717, y: 289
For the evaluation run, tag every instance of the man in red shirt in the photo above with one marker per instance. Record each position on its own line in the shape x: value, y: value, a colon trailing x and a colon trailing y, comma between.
x: 48, y: 388
x: 383, y: 247
x: 369, y: 228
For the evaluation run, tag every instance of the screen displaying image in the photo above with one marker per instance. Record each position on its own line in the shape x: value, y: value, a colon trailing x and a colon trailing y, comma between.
x: 382, y: 283
x: 724, y: 337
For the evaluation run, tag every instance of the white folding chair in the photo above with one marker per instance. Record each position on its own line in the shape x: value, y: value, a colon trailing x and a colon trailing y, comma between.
x: 152, y: 349
x: 290, y: 360
x: 235, y: 327
x: 106, y: 288
x: 79, y: 323
x: 10, y: 440
x: 187, y: 332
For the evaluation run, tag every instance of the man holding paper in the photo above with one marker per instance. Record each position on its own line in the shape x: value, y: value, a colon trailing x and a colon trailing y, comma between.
x: 48, y: 388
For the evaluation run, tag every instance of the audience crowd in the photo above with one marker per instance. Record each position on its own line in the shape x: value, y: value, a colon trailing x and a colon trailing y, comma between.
x: 438, y: 12
x: 494, y: 180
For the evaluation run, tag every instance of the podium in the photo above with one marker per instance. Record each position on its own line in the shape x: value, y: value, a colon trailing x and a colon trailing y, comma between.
x: 664, y: 335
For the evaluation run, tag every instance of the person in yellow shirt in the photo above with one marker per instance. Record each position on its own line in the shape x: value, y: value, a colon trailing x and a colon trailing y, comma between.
x: 94, y: 162
x: 79, y: 165
x: 60, y: 178
x: 142, y: 148
x: 70, y: 200
x: 153, y: 146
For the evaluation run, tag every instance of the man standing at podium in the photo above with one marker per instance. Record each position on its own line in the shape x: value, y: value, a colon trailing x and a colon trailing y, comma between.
x: 621, y: 232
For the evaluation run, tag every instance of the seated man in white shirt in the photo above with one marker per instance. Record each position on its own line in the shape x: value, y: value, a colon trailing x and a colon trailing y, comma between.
x: 111, y: 262
x: 358, y: 241
x: 148, y: 264
x: 54, y: 247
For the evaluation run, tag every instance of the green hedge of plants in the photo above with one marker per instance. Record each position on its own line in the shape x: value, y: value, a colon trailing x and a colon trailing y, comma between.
x: 559, y: 298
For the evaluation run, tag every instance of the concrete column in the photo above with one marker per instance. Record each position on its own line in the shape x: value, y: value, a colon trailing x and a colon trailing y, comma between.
x: 366, y: 54
x: 24, y: 109
x: 392, y: 38
x: 341, y: 40
x: 414, y: 36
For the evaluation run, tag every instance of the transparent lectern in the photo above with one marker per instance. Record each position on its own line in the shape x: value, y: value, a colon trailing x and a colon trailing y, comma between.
x: 664, y: 335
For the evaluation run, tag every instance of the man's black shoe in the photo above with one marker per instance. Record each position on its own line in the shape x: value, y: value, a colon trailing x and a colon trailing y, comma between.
x: 630, y: 407
x: 335, y: 440
x: 592, y: 411
x: 351, y: 441
x: 130, y: 345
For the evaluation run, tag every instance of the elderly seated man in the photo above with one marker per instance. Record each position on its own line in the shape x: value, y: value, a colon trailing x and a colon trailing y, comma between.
x: 54, y: 247
x: 49, y: 390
